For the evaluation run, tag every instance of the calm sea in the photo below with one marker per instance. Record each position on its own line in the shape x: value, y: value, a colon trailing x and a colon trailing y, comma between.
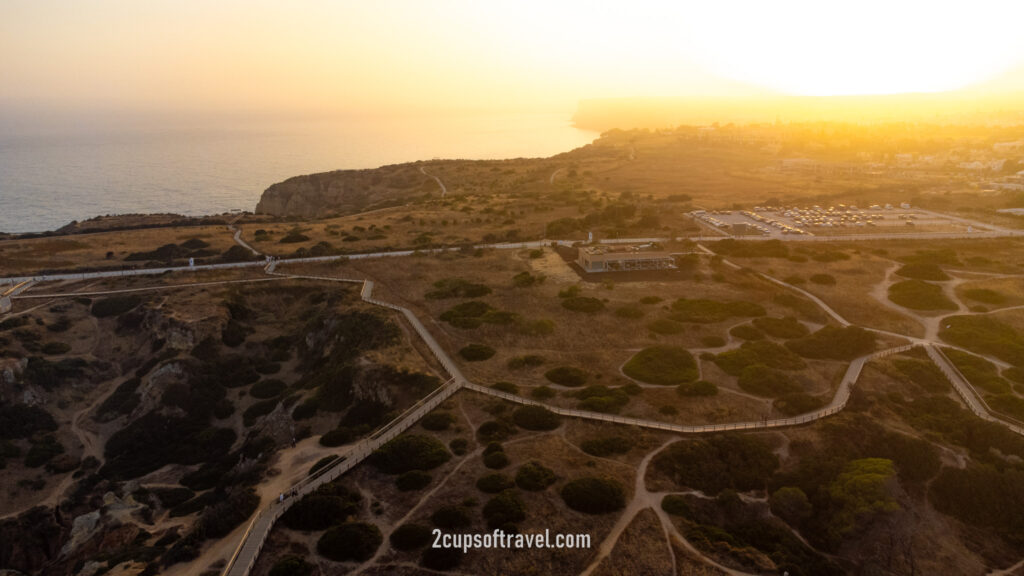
x: 51, y: 177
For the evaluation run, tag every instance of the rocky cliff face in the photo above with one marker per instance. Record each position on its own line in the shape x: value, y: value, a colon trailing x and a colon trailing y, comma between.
x: 343, y: 191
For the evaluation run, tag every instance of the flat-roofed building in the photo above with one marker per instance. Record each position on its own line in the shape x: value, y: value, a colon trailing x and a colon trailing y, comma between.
x: 623, y: 258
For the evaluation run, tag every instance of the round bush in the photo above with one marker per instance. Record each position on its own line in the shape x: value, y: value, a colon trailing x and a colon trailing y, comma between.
x: 494, y: 483
x: 56, y: 348
x: 506, y: 387
x: 496, y: 460
x: 536, y: 418
x: 583, y: 304
x: 350, y: 542
x: 567, y: 376
x: 441, y: 559
x: 476, y: 352
x: 410, y: 452
x: 291, y: 565
x: 712, y: 341
x: 451, y: 517
x: 746, y: 332
x: 410, y: 537
x: 266, y: 389
x: 698, y: 388
x: 459, y: 446
x: 534, y: 476
x: 666, y: 365
x: 319, y: 511
x: 594, y: 495
x: 543, y: 392
x: 437, y: 421
x: 495, y: 431
x: 412, y: 480
x: 504, y: 509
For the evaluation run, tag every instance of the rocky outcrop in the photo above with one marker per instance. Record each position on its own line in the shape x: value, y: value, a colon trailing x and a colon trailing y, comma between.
x: 343, y: 191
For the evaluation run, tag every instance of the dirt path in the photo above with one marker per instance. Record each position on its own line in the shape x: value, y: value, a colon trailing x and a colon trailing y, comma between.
x: 643, y: 499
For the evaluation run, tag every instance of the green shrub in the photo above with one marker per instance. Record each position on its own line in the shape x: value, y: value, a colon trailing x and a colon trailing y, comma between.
x: 437, y: 421
x: 650, y: 300
x: 494, y: 483
x: 608, y: 445
x: 258, y: 410
x: 746, y: 332
x: 600, y: 398
x: 788, y: 327
x: 410, y: 537
x: 676, y: 505
x: 410, y: 452
x: 594, y: 495
x: 698, y: 388
x: 923, y: 271
x: 665, y: 365
x: 525, y: 280
x: 350, y: 542
x: 527, y: 361
x: 412, y: 481
x: 534, y: 476
x: 791, y: 504
x: 764, y: 381
x: 55, y: 348
x: 984, y: 335
x: 797, y: 403
x: 321, y: 463
x: 267, y: 389
x: 543, y: 392
x: 476, y: 352
x: 496, y: 460
x: 466, y: 314
x: 985, y: 295
x: 920, y: 295
x: 567, y: 376
x: 979, y: 372
x: 583, y: 304
x: 710, y: 311
x: 292, y: 565
x: 834, y: 343
x: 823, y: 279
x: 441, y: 559
x: 712, y: 341
x: 504, y: 509
x: 536, y: 418
x: 451, y: 517
x: 325, y: 507
x: 459, y: 446
x: 924, y: 373
x: 42, y: 451
x: 495, y: 431
x: 715, y: 463
x: 114, y: 306
x: 1008, y: 404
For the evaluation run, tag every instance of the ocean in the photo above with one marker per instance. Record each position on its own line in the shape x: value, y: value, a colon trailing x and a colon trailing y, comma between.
x: 49, y: 177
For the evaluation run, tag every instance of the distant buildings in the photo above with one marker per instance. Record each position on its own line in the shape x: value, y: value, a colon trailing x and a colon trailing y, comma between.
x: 623, y: 258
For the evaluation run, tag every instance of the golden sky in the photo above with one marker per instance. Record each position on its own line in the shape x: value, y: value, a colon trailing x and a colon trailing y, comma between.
x: 315, y: 56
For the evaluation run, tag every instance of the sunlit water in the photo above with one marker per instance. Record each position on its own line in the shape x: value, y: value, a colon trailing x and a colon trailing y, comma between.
x: 51, y: 177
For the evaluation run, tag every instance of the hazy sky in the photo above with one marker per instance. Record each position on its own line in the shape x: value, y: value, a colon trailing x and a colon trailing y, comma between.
x: 314, y: 56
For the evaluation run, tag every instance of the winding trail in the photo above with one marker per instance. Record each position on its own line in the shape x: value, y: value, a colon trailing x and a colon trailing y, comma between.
x: 444, y: 189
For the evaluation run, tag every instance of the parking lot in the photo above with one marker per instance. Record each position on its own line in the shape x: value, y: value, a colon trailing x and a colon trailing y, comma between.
x: 840, y: 219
